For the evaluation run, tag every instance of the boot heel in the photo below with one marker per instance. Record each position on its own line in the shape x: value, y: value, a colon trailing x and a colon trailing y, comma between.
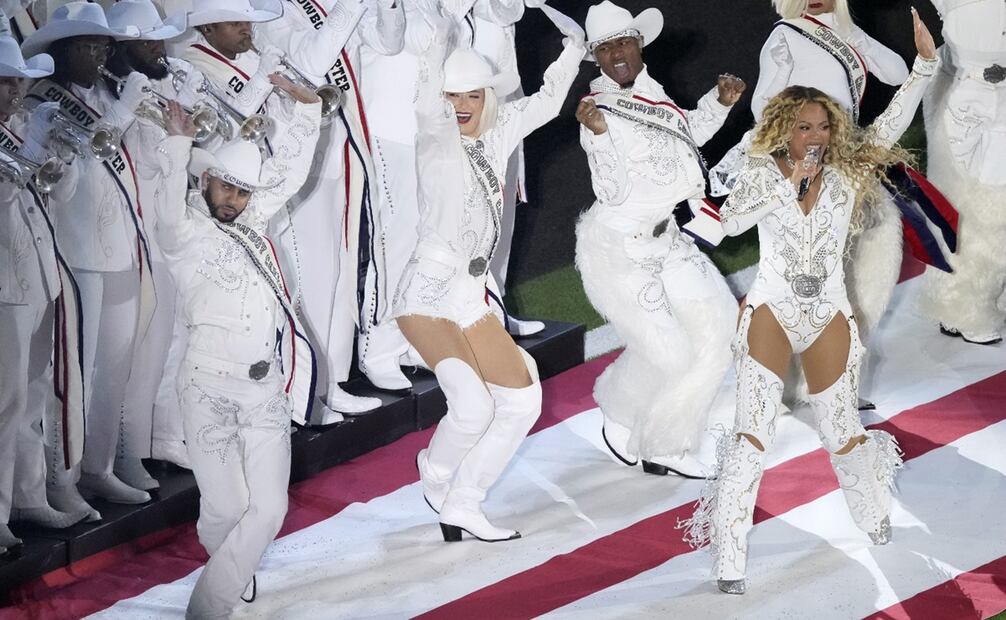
x: 655, y: 469
x: 452, y: 533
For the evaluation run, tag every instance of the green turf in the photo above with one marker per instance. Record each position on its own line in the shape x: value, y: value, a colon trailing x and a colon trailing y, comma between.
x: 559, y: 294
x: 999, y: 616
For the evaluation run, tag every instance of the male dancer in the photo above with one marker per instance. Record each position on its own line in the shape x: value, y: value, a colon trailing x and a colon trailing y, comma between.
x: 248, y: 370
x: 665, y: 297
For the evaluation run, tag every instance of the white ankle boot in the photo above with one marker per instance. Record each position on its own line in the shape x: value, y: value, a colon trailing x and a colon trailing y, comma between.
x: 340, y: 401
x: 616, y: 438
x: 462, y: 512
x: 66, y: 498
x: 48, y: 517
x: 111, y: 489
x: 132, y: 472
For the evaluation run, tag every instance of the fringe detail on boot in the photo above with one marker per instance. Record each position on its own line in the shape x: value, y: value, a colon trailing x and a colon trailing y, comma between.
x: 698, y: 530
x: 888, y: 460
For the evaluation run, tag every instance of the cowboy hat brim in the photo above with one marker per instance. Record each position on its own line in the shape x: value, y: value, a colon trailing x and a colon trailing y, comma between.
x: 649, y: 23
x: 202, y: 160
x: 260, y: 11
x: 41, y: 39
x: 35, y: 67
x: 169, y: 29
x: 502, y: 83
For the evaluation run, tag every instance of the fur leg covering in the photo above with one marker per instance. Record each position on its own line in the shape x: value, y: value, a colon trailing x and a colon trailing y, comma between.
x: 966, y: 299
x: 675, y: 313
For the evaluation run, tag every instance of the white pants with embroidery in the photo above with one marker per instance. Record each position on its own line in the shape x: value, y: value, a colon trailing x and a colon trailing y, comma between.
x: 237, y: 432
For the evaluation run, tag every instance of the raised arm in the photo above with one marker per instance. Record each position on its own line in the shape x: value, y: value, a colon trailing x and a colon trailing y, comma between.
x: 382, y: 27
x: 499, y: 12
x: 314, y: 50
x: 708, y: 117
x: 890, y: 125
x: 775, y: 66
x: 175, y: 228
x: 759, y: 191
x: 519, y: 118
x: 289, y: 165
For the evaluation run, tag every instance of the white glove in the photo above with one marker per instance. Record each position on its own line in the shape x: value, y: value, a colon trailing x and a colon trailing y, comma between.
x: 134, y: 91
x: 780, y: 53
x: 573, y: 32
x: 269, y: 60
x: 40, y: 122
x: 194, y: 80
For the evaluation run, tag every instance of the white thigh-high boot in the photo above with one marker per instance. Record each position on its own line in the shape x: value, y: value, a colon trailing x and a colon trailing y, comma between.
x: 516, y: 410
x: 725, y: 512
x: 469, y: 413
x: 866, y: 472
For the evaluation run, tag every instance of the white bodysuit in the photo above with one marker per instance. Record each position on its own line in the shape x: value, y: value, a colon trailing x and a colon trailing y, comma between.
x: 800, y: 273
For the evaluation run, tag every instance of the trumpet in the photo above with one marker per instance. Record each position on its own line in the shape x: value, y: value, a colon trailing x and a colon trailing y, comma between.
x: 330, y: 94
x: 102, y: 142
x: 252, y: 128
x: 204, y: 117
x: 20, y: 170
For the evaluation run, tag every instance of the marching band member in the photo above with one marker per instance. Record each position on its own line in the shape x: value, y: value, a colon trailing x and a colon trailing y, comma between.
x: 248, y: 369
x: 662, y: 294
x: 345, y: 284
x: 806, y: 183
x: 492, y: 387
x: 38, y: 300
x: 102, y: 235
x: 144, y: 423
x: 966, y: 130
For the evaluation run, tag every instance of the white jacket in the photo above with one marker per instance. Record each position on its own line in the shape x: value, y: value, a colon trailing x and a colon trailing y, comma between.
x: 229, y: 308
x: 638, y: 173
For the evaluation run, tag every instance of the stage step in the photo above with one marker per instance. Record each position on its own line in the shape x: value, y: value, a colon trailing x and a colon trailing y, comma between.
x: 558, y: 348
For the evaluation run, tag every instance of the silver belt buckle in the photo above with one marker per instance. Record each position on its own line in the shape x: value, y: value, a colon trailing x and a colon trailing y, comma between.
x: 477, y: 266
x: 994, y: 74
x: 259, y: 370
x: 806, y: 285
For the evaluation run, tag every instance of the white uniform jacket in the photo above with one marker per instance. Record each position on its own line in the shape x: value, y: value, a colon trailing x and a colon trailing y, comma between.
x: 94, y: 226
x: 640, y: 173
x: 228, y: 306
x: 818, y: 68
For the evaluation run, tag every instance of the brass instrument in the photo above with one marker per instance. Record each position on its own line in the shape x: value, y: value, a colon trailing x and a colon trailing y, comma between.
x: 101, y: 142
x: 19, y: 170
x: 204, y: 117
x: 330, y: 94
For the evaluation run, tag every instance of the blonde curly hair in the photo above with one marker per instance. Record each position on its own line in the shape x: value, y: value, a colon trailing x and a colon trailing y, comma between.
x: 855, y: 152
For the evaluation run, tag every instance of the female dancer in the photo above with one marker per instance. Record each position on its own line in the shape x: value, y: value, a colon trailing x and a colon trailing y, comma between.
x: 491, y: 384
x: 804, y: 211
x: 816, y: 44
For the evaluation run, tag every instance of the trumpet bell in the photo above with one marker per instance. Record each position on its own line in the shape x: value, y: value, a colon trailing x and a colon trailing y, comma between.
x: 48, y: 175
x: 206, y: 121
x: 331, y: 99
x: 255, y: 128
x: 104, y: 142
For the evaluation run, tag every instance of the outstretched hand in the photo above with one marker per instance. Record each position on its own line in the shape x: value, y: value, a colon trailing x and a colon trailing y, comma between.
x: 924, y: 43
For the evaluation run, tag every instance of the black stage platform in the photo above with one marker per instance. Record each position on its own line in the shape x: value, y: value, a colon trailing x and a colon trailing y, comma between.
x: 558, y: 348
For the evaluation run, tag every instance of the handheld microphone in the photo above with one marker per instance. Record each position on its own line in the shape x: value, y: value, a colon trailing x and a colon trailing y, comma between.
x: 810, y: 161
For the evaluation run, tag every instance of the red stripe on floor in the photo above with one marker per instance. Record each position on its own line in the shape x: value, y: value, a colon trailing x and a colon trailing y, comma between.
x: 567, y: 578
x: 98, y: 582
x: 979, y: 593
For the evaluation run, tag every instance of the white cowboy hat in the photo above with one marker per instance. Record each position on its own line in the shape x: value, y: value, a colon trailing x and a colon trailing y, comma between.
x: 238, y: 162
x: 13, y: 64
x: 143, y: 15
x: 73, y: 19
x: 215, y: 11
x: 607, y: 21
x: 466, y: 70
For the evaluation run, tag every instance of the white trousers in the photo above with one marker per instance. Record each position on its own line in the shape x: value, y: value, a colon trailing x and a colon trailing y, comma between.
x: 676, y: 315
x: 110, y: 307
x: 148, y: 371
x: 167, y: 414
x: 25, y: 389
x: 237, y: 432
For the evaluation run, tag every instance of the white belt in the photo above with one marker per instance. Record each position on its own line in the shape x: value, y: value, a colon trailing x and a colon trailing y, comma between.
x: 252, y: 372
